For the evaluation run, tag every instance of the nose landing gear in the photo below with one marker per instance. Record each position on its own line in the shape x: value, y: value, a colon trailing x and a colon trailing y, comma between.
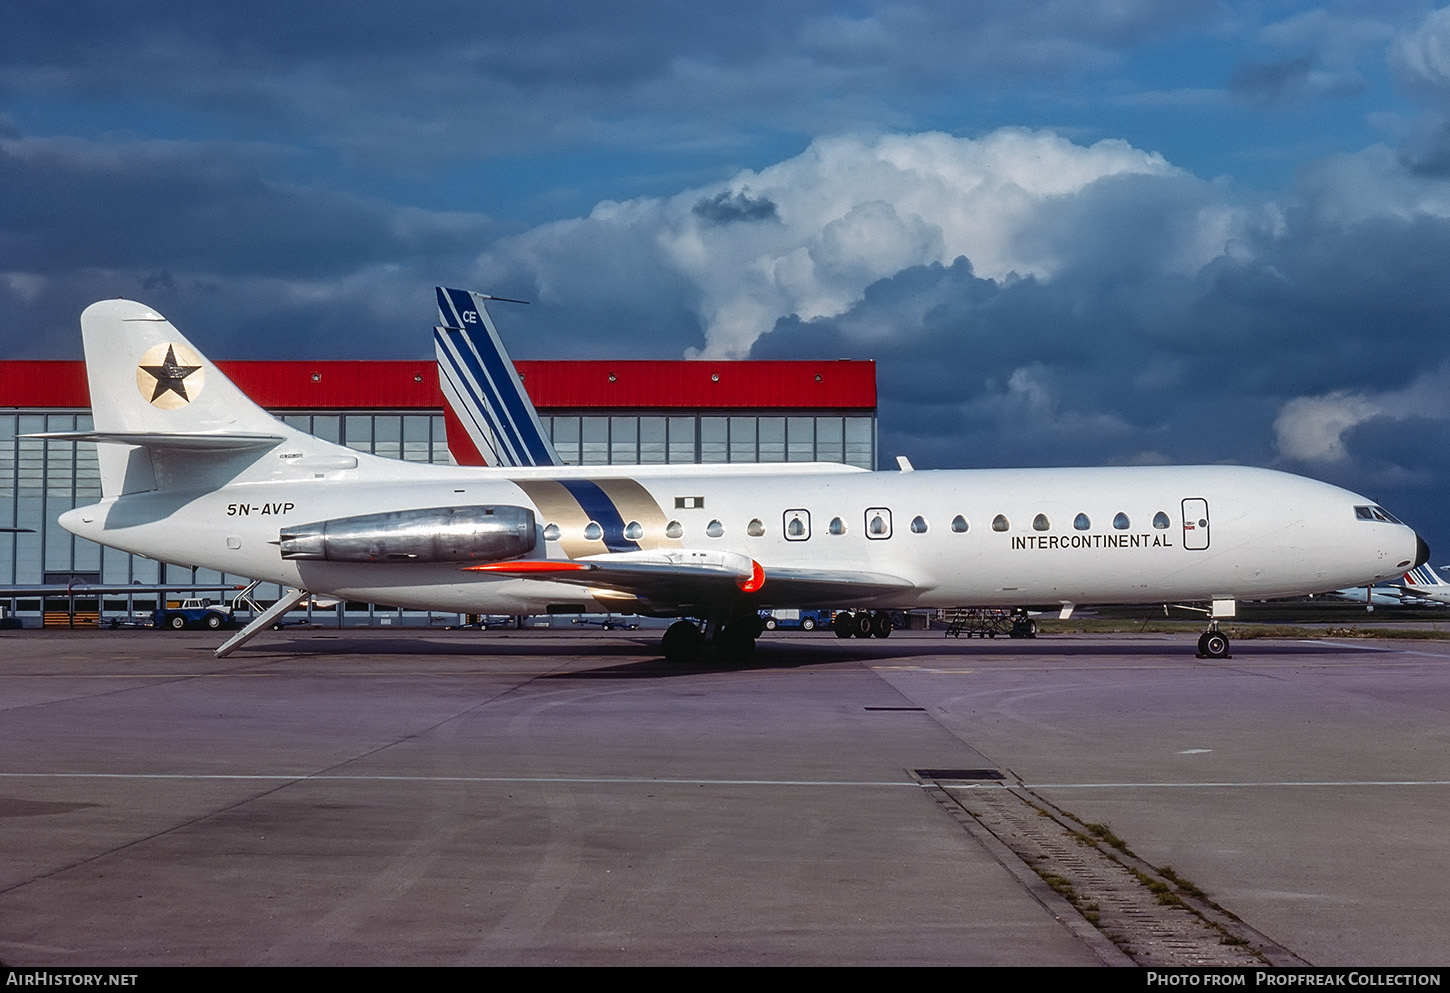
x: 1213, y: 644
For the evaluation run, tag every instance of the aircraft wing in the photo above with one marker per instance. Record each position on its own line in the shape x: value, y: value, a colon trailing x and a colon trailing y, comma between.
x: 674, y: 580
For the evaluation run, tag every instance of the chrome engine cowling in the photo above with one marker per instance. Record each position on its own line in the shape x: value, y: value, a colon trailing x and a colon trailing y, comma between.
x: 438, y: 534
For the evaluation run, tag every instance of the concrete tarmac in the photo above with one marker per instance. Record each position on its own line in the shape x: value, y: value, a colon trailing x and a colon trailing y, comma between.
x: 506, y: 798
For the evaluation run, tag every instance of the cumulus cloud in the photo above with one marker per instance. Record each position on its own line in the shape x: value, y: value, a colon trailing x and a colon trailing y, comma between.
x: 1327, y: 428
x: 845, y: 213
x: 1311, y: 429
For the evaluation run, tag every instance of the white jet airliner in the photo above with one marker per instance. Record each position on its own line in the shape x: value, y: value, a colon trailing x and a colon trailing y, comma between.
x: 193, y: 472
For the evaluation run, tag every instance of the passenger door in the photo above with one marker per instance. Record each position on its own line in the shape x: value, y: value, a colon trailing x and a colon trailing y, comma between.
x: 1195, y: 523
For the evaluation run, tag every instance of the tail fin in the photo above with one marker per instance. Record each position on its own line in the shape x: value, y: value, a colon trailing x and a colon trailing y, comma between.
x: 483, y: 390
x: 1423, y: 575
x: 164, y: 415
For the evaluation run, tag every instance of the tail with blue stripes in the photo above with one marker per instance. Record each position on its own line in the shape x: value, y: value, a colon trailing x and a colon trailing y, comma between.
x: 495, y: 419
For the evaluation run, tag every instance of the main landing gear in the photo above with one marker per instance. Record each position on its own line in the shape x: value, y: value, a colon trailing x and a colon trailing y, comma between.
x: 734, y: 639
x: 862, y: 624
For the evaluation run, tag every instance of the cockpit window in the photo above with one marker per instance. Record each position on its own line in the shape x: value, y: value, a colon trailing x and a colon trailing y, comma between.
x: 1375, y: 513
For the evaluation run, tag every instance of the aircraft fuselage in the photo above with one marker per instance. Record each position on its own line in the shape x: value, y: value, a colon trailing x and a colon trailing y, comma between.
x: 1000, y: 537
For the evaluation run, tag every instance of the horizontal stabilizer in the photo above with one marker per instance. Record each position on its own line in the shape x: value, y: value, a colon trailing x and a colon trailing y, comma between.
x: 182, y: 442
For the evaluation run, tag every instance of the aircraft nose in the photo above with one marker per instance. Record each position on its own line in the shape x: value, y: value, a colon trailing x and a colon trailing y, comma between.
x: 1422, y: 551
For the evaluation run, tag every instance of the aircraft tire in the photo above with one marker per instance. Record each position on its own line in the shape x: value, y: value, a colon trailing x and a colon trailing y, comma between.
x: 881, y: 624
x: 844, y: 624
x: 861, y: 625
x: 808, y: 624
x: 736, y: 642
x: 682, y: 642
x: 1213, y: 645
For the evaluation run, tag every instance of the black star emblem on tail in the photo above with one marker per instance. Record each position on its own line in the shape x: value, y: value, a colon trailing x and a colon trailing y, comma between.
x: 170, y: 377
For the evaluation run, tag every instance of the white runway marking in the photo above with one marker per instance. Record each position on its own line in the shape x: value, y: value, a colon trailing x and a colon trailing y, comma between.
x: 329, y: 777
x: 622, y: 780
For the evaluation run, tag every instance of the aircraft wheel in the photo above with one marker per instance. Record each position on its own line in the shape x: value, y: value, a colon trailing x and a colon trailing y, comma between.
x: 176, y: 622
x: 682, y: 642
x: 844, y: 624
x: 808, y: 624
x: 214, y: 621
x: 1213, y: 645
x: 736, y: 642
x: 861, y: 625
x: 881, y: 625
x: 770, y: 624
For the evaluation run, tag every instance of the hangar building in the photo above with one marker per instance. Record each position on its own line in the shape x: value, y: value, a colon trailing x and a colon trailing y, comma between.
x: 597, y: 413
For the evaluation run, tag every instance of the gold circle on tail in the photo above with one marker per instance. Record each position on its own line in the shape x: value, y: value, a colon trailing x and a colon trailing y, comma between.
x: 170, y: 376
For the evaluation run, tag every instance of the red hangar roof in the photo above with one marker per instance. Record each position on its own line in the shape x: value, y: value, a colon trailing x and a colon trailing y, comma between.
x: 357, y: 385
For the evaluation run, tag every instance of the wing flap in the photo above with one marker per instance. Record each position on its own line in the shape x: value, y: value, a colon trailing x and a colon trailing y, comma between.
x: 687, y: 579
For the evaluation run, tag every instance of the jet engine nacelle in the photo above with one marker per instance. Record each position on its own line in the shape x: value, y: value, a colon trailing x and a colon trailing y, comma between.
x: 439, y: 534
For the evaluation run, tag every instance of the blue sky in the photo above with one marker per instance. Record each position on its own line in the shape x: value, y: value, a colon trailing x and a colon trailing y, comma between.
x: 1070, y: 232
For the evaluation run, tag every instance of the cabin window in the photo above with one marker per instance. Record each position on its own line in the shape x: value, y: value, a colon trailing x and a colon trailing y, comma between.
x: 551, y: 532
x: 1082, y: 523
x: 837, y: 526
x: 593, y: 532
x: 797, y: 525
x: 959, y: 524
x: 1041, y: 523
x: 878, y: 523
x: 918, y: 525
x: 674, y: 529
x: 1160, y: 521
x: 755, y: 528
x: 999, y: 523
x: 634, y: 531
x: 1120, y: 521
x: 714, y: 529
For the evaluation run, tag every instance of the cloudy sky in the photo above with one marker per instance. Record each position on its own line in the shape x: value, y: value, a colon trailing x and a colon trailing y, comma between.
x: 1069, y: 231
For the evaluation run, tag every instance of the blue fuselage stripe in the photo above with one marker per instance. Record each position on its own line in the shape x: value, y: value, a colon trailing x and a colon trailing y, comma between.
x: 601, y: 510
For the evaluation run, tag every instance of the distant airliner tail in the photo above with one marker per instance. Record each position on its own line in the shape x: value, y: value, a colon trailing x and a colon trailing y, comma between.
x: 1423, y: 575
x: 483, y: 391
